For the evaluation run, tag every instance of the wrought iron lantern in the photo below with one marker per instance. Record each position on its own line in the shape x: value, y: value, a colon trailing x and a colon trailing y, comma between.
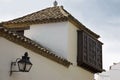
x: 24, y: 64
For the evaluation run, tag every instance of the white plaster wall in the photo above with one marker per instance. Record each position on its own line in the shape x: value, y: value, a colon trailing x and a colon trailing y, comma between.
x: 104, y: 76
x: 115, y: 72
x: 115, y: 66
x: 60, y: 38
x: 72, y: 43
x: 53, y: 36
x: 112, y: 74
x: 43, y: 68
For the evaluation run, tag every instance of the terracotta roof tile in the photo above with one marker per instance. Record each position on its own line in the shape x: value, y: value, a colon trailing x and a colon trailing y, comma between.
x: 43, y: 16
x: 48, y: 15
x: 33, y: 46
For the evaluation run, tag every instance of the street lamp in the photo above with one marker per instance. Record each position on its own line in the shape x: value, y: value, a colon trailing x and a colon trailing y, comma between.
x: 24, y: 64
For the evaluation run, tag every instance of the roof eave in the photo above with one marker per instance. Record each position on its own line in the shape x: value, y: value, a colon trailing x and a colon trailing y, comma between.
x: 33, y: 46
x: 28, y: 23
x: 82, y: 27
x: 77, y: 23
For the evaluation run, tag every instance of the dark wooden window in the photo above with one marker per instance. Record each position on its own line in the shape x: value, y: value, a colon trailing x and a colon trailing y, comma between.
x: 89, y: 52
x: 20, y: 32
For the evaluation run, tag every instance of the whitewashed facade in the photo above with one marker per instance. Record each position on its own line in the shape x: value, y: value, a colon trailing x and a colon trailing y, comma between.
x: 43, y: 68
x: 112, y: 74
x: 50, y: 37
x: 60, y: 38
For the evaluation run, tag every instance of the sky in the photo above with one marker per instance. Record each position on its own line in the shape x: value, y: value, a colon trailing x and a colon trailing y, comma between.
x: 101, y: 16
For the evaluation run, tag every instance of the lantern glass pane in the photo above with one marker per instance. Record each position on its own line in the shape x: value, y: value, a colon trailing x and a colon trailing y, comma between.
x: 28, y: 67
x: 21, y: 66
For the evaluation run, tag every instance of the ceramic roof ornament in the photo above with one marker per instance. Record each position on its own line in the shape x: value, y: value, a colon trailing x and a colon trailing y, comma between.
x: 55, y: 3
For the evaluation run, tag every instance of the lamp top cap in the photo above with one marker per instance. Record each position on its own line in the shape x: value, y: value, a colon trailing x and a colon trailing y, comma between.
x: 26, y: 54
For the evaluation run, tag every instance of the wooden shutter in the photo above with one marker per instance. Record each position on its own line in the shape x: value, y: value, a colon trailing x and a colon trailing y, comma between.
x: 89, y: 52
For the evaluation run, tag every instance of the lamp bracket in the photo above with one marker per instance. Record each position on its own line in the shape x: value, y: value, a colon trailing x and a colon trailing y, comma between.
x: 13, y: 64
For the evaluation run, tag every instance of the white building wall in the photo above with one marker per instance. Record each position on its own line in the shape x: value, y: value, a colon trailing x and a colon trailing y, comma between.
x: 43, y: 68
x: 53, y: 36
x: 112, y: 74
x: 115, y: 66
x: 60, y: 38
x: 104, y: 76
x: 72, y: 43
x: 115, y: 74
x: 115, y: 71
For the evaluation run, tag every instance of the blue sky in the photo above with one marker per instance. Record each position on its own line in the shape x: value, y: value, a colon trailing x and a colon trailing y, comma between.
x: 101, y: 16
